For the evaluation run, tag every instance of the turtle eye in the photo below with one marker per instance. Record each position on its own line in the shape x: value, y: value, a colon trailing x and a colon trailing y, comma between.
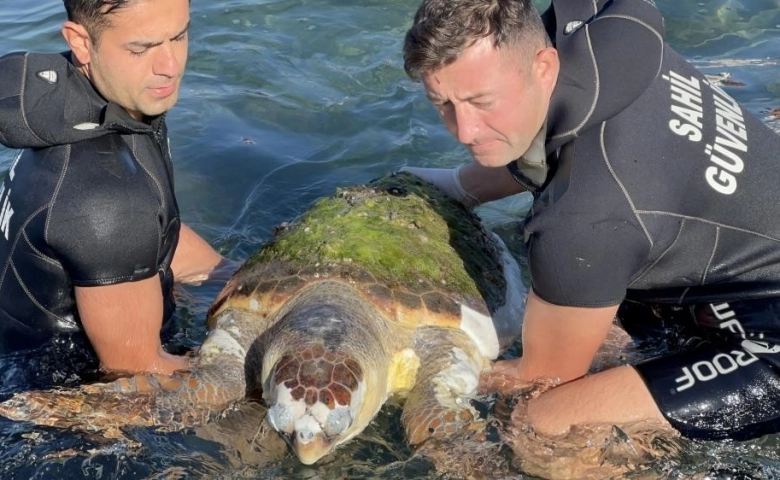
x: 281, y: 419
x: 338, y: 421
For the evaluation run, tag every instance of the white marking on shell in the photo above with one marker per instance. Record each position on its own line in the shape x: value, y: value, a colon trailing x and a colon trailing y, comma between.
x: 254, y: 305
x: 219, y: 343
x: 494, y: 335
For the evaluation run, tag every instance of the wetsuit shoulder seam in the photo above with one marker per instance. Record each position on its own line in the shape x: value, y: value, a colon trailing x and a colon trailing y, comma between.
x: 597, y: 74
x: 594, y: 99
x: 622, y: 187
x: 22, y: 231
x: 29, y: 295
x: 22, y: 89
x: 157, y: 184
x: 712, y: 256
x: 43, y: 256
x: 662, y: 255
x: 55, y: 193
x: 635, y: 20
x: 709, y: 222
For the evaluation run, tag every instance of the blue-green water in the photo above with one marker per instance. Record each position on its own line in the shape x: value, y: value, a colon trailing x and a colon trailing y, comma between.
x: 285, y: 101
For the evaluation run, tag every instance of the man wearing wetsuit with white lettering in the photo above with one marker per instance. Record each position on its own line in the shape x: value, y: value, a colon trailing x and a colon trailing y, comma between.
x: 655, y: 200
x: 90, y: 236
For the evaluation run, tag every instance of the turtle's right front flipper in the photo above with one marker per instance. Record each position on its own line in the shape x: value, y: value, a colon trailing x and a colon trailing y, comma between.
x: 183, y: 399
x: 439, y: 406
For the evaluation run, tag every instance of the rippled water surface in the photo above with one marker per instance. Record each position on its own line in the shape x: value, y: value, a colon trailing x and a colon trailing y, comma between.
x: 283, y: 102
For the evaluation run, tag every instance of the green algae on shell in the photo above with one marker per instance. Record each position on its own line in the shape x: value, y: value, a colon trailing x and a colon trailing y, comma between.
x: 400, y: 230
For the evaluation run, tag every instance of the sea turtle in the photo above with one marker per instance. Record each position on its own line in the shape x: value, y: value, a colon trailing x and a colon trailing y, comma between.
x: 390, y: 289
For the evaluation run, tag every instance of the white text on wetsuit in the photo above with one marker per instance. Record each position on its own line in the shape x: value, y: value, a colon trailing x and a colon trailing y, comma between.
x: 726, y: 151
x: 6, y: 211
x: 721, y: 363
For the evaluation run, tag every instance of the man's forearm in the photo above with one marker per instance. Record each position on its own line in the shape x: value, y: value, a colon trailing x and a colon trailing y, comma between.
x: 194, y: 259
x: 488, y: 183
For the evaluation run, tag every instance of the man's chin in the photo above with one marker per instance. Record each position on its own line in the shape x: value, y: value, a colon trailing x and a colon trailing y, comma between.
x: 491, y: 161
x: 153, y: 109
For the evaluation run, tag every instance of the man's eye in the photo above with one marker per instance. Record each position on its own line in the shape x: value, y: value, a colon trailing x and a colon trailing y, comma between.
x: 137, y: 53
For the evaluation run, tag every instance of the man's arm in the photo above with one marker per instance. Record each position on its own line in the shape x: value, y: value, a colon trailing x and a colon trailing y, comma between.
x: 471, y: 184
x: 196, y: 261
x: 123, y: 322
x: 560, y: 342
x: 488, y: 183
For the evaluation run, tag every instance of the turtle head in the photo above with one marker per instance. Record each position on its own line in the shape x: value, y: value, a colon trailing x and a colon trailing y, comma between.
x: 318, y: 400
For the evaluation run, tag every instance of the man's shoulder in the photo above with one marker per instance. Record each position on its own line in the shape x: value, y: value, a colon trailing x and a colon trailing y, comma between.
x: 106, y: 166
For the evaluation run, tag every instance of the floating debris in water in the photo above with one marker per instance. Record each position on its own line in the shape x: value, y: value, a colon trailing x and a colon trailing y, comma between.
x: 724, y: 78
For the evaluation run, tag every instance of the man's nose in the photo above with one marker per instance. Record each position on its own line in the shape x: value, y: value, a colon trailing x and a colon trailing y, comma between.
x: 467, y: 124
x: 167, y: 61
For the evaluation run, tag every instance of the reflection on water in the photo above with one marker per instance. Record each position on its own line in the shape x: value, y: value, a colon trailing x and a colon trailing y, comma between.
x: 283, y: 102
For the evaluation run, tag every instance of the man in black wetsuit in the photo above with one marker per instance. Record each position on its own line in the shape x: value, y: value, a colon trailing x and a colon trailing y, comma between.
x: 90, y: 235
x: 654, y: 193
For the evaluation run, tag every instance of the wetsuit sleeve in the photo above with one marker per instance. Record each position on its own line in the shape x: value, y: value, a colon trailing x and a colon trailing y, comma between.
x: 588, y: 262
x: 104, y: 226
x: 586, y: 242
x: 609, y: 56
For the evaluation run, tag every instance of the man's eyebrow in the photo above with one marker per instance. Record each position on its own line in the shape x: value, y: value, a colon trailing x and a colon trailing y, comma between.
x: 140, y: 44
x: 184, y: 30
x: 477, y: 95
x: 470, y: 98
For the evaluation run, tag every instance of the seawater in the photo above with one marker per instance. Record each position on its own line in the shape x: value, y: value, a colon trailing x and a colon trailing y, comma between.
x: 283, y: 102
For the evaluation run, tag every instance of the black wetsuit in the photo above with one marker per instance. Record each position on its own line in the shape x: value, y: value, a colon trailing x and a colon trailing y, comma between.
x: 88, y: 201
x: 662, y: 190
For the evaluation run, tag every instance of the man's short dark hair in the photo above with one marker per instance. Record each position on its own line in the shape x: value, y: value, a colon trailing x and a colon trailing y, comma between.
x: 93, y: 14
x: 442, y: 29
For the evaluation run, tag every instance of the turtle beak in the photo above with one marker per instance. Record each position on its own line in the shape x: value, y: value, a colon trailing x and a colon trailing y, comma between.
x: 303, y: 433
x: 309, y: 447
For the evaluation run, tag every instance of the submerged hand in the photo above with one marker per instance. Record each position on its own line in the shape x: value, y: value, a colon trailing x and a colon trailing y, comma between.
x: 503, y: 378
x: 447, y: 180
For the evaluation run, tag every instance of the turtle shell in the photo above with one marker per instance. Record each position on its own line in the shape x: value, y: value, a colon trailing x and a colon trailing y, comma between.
x: 414, y: 252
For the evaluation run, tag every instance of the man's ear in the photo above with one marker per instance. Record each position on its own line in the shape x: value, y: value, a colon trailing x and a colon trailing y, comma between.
x: 79, y: 41
x: 546, y: 66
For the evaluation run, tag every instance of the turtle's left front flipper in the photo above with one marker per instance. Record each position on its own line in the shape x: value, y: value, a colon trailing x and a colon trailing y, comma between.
x: 173, y: 402
x: 439, y: 406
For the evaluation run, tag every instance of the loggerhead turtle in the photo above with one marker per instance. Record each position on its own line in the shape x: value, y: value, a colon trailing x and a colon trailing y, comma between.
x: 386, y: 290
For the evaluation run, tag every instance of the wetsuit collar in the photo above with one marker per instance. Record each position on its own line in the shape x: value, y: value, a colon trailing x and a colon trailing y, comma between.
x: 533, y: 163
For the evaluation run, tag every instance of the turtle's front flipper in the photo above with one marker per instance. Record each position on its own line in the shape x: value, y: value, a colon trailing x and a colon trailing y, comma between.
x: 171, y: 402
x: 439, y: 405
x: 186, y: 398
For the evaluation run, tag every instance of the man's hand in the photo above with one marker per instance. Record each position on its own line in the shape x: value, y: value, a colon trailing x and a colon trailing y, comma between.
x: 470, y: 184
x: 559, y: 344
